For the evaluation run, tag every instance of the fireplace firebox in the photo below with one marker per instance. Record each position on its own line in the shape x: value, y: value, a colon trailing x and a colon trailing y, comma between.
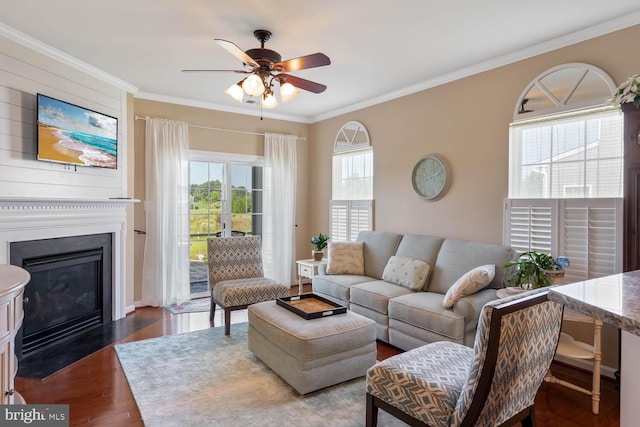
x: 69, y: 292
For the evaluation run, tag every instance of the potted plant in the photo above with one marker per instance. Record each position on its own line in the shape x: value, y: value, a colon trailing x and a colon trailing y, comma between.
x: 535, y: 270
x: 319, y: 242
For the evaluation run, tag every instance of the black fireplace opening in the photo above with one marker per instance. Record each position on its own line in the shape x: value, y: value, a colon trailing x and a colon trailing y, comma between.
x: 69, y: 292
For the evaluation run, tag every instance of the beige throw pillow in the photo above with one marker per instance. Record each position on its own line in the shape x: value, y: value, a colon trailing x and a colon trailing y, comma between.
x: 345, y: 258
x: 408, y: 272
x: 471, y: 282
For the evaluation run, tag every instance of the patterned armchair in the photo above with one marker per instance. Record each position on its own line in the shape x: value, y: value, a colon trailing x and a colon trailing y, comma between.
x: 492, y: 384
x: 236, y: 276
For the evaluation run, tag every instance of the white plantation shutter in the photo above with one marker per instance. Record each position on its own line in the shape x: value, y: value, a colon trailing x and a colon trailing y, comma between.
x: 587, y: 231
x: 349, y: 217
x: 339, y: 220
x: 530, y: 225
x: 592, y: 237
x: 360, y: 217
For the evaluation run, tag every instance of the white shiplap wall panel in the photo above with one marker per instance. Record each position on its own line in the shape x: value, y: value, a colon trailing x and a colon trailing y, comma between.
x: 36, y: 60
x: 23, y: 74
x: 15, y: 143
x: 62, y: 89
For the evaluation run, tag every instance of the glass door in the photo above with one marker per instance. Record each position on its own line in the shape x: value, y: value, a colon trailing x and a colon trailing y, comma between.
x: 225, y: 200
x: 207, y: 217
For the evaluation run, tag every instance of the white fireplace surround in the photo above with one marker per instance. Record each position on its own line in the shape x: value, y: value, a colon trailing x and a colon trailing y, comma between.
x: 24, y: 219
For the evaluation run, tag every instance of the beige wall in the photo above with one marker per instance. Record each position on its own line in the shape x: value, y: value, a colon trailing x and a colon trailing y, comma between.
x: 224, y: 142
x: 466, y: 121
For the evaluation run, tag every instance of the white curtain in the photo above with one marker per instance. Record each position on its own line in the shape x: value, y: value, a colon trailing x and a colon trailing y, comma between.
x: 278, y: 238
x: 165, y: 274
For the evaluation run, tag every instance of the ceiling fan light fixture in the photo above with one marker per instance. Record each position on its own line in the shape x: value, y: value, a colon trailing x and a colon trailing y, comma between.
x: 288, y: 92
x: 253, y: 85
x: 269, y: 101
x: 235, y: 92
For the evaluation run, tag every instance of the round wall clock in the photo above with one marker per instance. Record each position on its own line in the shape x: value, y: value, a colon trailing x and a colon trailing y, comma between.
x: 431, y: 177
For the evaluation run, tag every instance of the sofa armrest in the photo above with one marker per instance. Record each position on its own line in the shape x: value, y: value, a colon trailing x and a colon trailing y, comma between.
x: 471, y: 305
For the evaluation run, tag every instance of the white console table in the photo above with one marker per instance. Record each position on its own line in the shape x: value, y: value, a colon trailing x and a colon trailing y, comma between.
x: 12, y: 282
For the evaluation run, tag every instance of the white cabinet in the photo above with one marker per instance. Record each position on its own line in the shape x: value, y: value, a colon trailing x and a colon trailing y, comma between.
x: 12, y: 282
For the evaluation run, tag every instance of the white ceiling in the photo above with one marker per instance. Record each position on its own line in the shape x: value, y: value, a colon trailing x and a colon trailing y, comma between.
x: 379, y: 49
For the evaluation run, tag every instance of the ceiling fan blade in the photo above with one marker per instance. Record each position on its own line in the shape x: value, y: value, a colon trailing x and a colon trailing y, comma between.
x: 303, y: 62
x: 307, y: 85
x: 237, y: 52
x: 228, y: 71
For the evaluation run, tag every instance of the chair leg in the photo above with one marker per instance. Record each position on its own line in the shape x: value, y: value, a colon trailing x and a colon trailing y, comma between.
x: 530, y: 420
x: 212, y: 312
x: 372, y: 412
x: 524, y: 418
x: 227, y: 322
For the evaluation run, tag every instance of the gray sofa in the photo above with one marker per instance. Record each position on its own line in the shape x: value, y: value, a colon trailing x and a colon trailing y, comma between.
x: 405, y: 318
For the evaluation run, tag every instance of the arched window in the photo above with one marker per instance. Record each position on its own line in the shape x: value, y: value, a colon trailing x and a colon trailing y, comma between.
x: 352, y: 183
x: 566, y: 171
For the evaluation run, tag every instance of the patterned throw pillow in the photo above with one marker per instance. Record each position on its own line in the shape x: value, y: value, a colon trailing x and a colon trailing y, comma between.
x: 470, y: 282
x: 345, y: 258
x: 408, y: 272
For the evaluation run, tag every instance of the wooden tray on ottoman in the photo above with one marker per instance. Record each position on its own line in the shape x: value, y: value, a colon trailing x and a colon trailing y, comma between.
x: 311, y: 306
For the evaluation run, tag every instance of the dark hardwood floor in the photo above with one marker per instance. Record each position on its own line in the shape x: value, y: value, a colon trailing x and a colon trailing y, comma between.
x: 98, y: 393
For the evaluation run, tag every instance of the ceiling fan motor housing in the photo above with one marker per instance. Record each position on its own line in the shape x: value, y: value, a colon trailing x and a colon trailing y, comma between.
x: 264, y: 57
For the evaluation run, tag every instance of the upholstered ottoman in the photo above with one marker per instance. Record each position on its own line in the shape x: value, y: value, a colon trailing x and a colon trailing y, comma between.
x: 311, y: 354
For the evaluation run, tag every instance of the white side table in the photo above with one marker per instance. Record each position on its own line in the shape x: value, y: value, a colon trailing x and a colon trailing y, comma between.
x: 307, y: 268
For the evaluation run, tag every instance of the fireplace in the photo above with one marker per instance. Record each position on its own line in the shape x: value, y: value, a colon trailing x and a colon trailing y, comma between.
x: 70, y: 288
x: 28, y: 219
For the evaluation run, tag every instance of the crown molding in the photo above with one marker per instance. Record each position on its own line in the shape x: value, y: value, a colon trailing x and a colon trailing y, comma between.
x: 43, y: 48
x: 538, y: 49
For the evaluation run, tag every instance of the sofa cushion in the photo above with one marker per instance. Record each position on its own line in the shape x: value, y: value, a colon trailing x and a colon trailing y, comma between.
x: 379, y: 246
x: 456, y: 257
x: 408, y: 272
x: 345, y: 258
x: 425, y: 311
x: 420, y: 247
x: 339, y: 285
x: 376, y: 294
x: 470, y: 283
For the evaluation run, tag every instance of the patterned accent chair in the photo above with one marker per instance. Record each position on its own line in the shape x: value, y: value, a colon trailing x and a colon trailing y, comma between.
x: 492, y: 384
x: 236, y: 276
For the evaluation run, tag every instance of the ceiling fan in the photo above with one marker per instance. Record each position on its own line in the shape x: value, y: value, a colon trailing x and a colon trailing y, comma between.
x: 265, y: 68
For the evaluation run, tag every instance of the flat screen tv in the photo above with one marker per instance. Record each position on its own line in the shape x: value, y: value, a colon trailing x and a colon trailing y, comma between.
x: 71, y: 134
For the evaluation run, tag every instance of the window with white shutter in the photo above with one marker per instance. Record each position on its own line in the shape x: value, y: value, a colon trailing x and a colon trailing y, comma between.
x: 351, y: 207
x: 566, y: 171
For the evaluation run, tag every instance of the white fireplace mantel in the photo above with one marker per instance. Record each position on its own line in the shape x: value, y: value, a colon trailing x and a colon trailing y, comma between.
x: 29, y: 218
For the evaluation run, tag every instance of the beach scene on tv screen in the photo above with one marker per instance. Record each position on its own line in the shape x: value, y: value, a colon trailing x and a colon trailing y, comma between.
x: 71, y: 134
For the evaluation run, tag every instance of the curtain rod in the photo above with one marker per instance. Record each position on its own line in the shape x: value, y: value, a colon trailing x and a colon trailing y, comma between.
x: 302, y: 138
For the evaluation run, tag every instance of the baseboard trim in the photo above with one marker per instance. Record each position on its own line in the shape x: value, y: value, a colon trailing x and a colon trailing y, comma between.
x: 605, y: 371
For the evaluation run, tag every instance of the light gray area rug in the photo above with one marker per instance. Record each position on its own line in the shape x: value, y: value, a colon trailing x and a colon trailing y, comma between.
x: 206, y: 379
